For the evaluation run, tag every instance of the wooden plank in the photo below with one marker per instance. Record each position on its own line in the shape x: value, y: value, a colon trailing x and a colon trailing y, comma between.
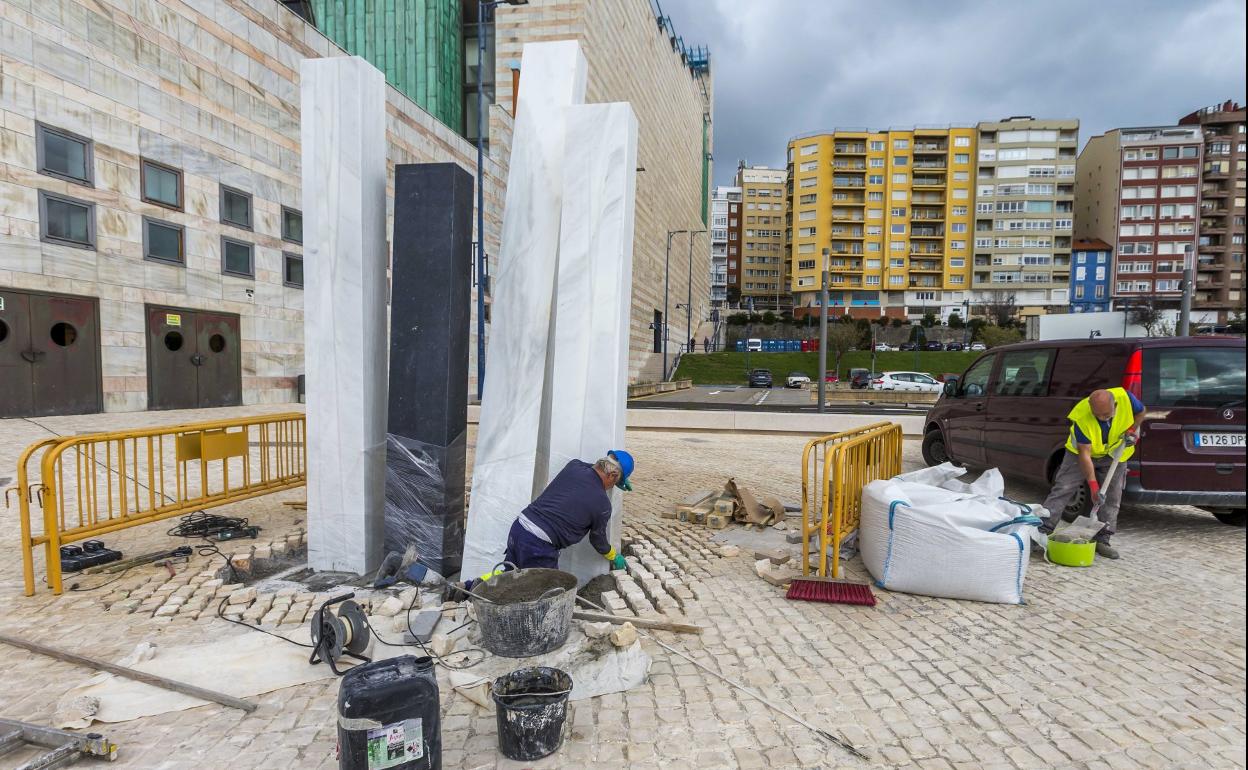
x: 659, y: 625
x: 130, y: 673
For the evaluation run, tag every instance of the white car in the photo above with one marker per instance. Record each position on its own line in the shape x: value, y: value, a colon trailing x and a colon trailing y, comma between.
x: 978, y: 347
x: 912, y: 381
x: 796, y: 380
x: 883, y: 347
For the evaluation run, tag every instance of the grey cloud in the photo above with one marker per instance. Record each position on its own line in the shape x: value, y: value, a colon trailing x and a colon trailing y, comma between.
x: 787, y: 67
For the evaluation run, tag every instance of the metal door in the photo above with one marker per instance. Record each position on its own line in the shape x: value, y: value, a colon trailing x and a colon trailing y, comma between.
x: 218, y: 363
x: 65, y: 344
x: 171, y: 371
x: 16, y: 356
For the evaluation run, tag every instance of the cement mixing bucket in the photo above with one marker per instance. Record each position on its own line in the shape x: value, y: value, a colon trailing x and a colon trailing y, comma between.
x: 525, y: 612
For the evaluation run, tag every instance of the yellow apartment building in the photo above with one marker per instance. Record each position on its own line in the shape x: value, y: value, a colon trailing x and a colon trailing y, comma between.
x: 893, y: 210
x: 763, y: 269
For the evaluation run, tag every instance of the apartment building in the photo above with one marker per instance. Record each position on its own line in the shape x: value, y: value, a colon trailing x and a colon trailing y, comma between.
x: 893, y: 212
x: 1220, y: 244
x: 1089, y: 277
x: 1138, y: 189
x: 1024, y: 211
x: 763, y: 265
x: 725, y: 205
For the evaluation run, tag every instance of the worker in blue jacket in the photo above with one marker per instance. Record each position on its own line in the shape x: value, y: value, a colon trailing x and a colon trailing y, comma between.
x: 574, y: 504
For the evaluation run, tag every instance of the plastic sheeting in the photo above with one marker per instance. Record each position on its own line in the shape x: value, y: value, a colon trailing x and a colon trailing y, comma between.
x: 420, y: 510
x: 929, y: 533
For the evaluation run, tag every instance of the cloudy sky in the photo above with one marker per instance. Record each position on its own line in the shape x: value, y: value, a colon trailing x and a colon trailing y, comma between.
x: 786, y: 67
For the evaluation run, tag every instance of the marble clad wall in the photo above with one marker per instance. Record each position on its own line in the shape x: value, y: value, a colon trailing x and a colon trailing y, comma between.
x: 507, y: 447
x: 345, y: 330
x: 589, y: 372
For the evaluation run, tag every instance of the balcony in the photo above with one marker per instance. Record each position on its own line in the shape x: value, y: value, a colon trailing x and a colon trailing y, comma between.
x: 936, y: 164
x: 856, y: 165
x: 848, y: 182
x: 924, y: 283
x: 850, y: 268
x: 921, y: 251
x: 927, y: 232
x: 928, y: 181
x: 925, y: 267
x: 850, y: 149
x: 927, y: 216
x: 1210, y: 265
x: 921, y: 198
x: 1214, y: 192
x: 1211, y: 284
x: 927, y: 148
x: 846, y: 216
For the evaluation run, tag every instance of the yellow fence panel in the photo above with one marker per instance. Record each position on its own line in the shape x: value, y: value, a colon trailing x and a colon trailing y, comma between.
x: 98, y: 483
x: 835, y: 468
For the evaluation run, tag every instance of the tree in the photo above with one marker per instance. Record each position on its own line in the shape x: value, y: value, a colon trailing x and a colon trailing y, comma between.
x: 929, y: 320
x: 1148, y: 315
x: 897, y: 323
x: 841, y: 338
x: 999, y: 306
x: 976, y: 325
x: 738, y: 319
x: 734, y: 295
x: 995, y: 336
x: 769, y: 318
x: 955, y: 321
x: 756, y: 318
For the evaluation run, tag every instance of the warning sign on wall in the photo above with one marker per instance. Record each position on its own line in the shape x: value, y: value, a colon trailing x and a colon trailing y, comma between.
x: 173, y: 319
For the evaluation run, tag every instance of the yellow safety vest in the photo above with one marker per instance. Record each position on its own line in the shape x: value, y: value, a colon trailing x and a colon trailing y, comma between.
x: 1122, y: 421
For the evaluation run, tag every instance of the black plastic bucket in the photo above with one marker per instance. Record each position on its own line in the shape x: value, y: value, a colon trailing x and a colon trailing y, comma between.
x: 531, y: 705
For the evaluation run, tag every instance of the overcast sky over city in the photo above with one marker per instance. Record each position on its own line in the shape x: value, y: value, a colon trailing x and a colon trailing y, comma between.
x: 787, y: 67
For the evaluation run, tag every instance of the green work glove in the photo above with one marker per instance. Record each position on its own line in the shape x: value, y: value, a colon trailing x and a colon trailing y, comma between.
x: 618, y: 562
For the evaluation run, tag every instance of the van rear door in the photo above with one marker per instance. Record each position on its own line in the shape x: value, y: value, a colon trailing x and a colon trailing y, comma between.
x: 1194, y: 433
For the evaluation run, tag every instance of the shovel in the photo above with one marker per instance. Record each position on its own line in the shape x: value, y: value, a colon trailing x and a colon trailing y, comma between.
x: 1084, y: 528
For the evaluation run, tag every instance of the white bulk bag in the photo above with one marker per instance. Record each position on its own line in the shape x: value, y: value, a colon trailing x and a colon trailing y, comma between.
x: 928, y: 533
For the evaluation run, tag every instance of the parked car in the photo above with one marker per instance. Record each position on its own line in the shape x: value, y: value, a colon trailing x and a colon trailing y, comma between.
x: 978, y: 346
x: 934, y: 346
x: 760, y: 378
x: 860, y: 379
x: 908, y: 346
x: 948, y: 377
x: 883, y: 347
x: 913, y: 381
x: 1008, y: 410
x: 831, y: 378
x: 955, y: 346
x: 754, y: 345
x: 796, y: 380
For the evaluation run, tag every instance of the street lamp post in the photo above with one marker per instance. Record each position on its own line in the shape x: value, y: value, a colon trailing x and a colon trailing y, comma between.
x: 482, y: 7
x: 689, y: 286
x: 667, y: 268
x: 823, y: 331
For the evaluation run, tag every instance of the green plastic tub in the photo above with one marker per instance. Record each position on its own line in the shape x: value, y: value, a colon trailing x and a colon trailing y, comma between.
x: 1072, y: 554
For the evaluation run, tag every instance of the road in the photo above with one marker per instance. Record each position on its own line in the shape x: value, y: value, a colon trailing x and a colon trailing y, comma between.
x: 742, y: 398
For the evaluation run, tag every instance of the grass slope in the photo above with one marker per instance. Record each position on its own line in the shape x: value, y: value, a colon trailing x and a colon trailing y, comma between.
x: 730, y: 368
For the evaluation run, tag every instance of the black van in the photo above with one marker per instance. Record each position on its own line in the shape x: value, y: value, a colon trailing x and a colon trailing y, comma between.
x: 1008, y: 410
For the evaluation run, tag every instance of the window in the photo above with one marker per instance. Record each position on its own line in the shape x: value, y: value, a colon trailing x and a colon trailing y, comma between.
x: 808, y: 182
x: 163, y: 241
x: 1170, y: 153
x: 873, y: 280
x: 898, y: 229
x: 875, y: 179
x: 899, y: 178
x: 877, y: 146
x: 956, y: 279
x: 1081, y: 273
x: 162, y: 184
x: 957, y: 227
x: 875, y: 213
x: 66, y: 220
x: 1024, y: 373
x: 899, y: 212
x: 809, y: 165
x: 958, y: 211
x: 961, y: 141
x: 237, y: 258
x: 877, y: 163
x: 235, y: 207
x: 961, y: 194
x: 957, y: 245
x: 1100, y: 292
x: 957, y: 263
x: 901, y: 144
x: 810, y: 149
x: 875, y: 196
x: 1079, y: 291
x: 64, y: 155
x: 961, y: 176
x: 975, y: 383
x: 292, y: 270
x: 901, y: 160
x: 899, y: 195
x: 896, y: 264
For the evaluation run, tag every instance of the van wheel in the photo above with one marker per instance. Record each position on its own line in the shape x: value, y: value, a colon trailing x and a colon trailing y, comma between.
x: 1080, y: 504
x: 1234, y: 517
x: 934, y: 450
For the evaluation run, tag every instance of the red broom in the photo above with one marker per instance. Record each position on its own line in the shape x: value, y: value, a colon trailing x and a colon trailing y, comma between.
x: 830, y: 591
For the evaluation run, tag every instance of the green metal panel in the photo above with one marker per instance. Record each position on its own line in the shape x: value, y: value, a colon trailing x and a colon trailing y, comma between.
x: 418, y: 44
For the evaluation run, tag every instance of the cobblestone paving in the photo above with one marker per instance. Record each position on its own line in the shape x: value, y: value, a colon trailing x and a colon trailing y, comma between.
x: 1135, y: 663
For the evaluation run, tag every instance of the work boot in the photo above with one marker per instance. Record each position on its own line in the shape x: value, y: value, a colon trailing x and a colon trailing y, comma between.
x: 1106, y: 550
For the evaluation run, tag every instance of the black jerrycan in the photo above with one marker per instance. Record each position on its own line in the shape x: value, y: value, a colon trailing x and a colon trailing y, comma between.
x: 388, y: 716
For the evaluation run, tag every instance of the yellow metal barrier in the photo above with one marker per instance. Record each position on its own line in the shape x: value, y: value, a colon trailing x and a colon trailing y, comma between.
x: 98, y: 483
x: 835, y: 468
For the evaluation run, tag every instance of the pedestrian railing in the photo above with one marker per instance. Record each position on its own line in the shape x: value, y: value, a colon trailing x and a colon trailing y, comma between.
x: 97, y: 483
x: 835, y: 468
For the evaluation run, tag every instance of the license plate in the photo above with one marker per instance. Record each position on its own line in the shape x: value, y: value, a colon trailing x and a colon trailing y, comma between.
x: 1228, y: 440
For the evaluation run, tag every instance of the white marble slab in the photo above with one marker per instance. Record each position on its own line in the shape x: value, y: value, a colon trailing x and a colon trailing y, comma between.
x: 589, y: 372
x: 511, y: 432
x: 344, y: 212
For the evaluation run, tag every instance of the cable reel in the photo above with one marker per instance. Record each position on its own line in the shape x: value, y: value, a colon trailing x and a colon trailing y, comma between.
x: 345, y: 633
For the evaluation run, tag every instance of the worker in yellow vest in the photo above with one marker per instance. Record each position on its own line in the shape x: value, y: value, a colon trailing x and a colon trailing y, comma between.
x: 1099, y: 425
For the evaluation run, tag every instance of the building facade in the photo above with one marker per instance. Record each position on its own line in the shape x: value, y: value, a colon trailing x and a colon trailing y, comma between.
x: 1024, y: 211
x: 1092, y: 262
x: 1220, y: 246
x: 892, y: 210
x: 150, y: 225
x: 1138, y: 189
x: 724, y: 201
x: 636, y: 57
x: 763, y: 265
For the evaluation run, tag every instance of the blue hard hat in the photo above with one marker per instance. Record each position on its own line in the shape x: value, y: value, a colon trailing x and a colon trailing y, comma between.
x: 626, y: 468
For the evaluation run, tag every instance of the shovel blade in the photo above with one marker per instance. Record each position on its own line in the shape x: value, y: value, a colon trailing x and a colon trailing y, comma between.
x: 1082, y: 528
